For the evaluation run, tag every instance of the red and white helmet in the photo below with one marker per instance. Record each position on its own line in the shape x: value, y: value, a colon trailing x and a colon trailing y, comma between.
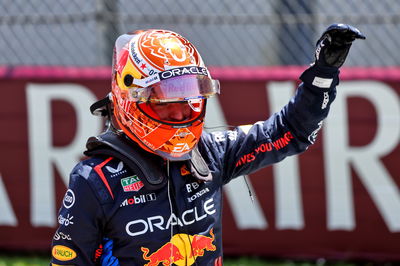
x: 159, y: 66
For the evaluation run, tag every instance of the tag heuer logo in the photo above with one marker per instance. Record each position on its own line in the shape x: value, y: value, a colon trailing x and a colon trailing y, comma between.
x: 131, y: 183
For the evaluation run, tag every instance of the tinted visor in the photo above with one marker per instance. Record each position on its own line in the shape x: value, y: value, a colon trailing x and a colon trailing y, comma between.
x: 177, y: 89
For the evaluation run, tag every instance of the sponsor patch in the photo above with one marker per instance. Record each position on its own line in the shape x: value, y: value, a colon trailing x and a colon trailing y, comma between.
x: 232, y: 135
x: 131, y: 183
x: 218, y: 136
x: 61, y: 235
x: 69, y: 199
x: 184, y: 170
x: 139, y: 199
x: 278, y: 144
x: 113, y: 170
x: 156, y: 223
x: 325, y: 101
x: 198, y: 194
x: 180, y: 71
x: 63, y: 253
x: 313, y: 136
x: 322, y: 82
x: 182, y: 249
x: 192, y: 186
x: 65, y: 220
x: 116, y: 171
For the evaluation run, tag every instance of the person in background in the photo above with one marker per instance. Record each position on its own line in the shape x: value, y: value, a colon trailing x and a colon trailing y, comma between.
x: 150, y: 192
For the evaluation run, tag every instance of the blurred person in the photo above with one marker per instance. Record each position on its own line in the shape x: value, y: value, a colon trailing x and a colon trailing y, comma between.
x: 150, y: 191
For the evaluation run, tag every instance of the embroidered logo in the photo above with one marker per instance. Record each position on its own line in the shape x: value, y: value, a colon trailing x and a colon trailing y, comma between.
x: 114, y: 171
x: 139, y: 199
x: 313, y: 136
x: 65, y: 220
x: 278, y: 144
x: 69, y: 199
x: 182, y: 249
x: 184, y: 170
x: 63, y: 253
x: 131, y: 183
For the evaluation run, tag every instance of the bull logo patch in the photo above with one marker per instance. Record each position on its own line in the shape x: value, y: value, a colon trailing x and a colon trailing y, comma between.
x: 183, y: 249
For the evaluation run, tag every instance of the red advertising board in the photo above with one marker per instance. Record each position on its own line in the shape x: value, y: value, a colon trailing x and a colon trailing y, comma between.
x: 338, y: 200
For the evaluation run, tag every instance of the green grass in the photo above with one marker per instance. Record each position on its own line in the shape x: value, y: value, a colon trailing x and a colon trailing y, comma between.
x: 243, y: 261
x: 23, y: 261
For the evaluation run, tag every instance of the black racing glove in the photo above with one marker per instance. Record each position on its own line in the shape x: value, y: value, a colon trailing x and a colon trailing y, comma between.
x: 334, y: 45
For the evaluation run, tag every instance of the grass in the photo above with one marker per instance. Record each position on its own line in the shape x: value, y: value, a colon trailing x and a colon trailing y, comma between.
x: 243, y: 261
x: 23, y: 261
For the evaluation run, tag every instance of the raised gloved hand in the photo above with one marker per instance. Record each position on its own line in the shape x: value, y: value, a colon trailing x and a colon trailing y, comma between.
x: 334, y: 45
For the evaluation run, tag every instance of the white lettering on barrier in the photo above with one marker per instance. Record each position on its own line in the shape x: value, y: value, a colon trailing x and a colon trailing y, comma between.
x: 289, y: 207
x: 42, y: 154
x: 7, y: 215
x: 339, y: 156
x: 247, y: 214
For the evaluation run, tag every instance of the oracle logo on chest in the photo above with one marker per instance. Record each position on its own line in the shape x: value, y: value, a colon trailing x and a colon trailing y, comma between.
x: 160, y: 223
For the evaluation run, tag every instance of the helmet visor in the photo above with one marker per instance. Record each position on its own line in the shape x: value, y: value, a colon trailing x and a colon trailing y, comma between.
x: 179, y: 84
x: 177, y: 89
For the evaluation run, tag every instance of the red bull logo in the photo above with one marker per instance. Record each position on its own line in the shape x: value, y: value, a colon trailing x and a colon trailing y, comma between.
x: 201, y: 243
x: 183, y: 249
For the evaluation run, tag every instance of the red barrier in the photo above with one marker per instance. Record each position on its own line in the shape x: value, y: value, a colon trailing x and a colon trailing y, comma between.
x: 339, y: 200
x: 222, y: 73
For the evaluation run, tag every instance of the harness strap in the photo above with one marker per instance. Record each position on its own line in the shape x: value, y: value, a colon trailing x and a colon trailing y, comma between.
x: 148, y: 167
x: 198, y: 167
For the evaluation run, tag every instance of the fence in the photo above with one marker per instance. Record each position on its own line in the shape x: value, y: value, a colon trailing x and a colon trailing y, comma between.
x: 241, y: 32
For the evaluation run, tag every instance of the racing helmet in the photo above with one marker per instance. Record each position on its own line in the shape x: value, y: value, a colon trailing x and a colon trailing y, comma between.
x: 155, y: 68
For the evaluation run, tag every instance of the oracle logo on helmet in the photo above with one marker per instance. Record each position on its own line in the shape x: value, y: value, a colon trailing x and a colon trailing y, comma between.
x: 180, y: 71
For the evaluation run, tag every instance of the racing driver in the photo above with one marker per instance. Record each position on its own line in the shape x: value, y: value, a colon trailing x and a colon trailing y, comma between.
x: 150, y: 191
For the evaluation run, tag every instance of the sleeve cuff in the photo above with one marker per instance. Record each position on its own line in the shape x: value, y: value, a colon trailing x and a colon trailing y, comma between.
x: 321, y: 77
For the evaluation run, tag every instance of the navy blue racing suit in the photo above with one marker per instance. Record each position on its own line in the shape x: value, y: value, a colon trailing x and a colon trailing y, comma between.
x: 108, y: 217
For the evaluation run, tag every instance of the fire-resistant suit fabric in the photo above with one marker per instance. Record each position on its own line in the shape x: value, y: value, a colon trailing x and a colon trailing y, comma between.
x: 108, y: 217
